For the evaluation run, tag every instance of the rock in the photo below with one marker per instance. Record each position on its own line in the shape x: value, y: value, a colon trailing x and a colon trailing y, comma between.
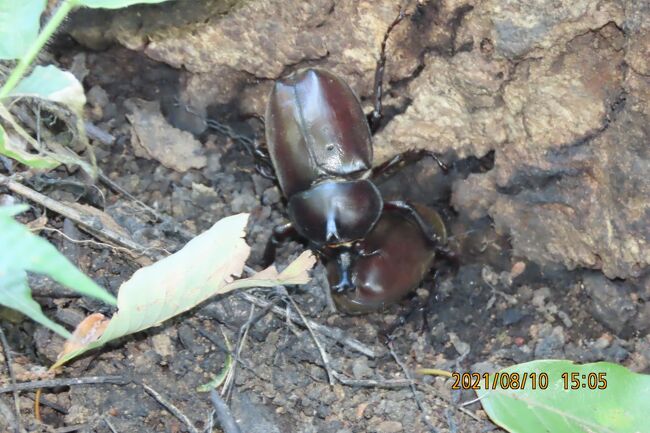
x: 455, y: 106
x: 521, y: 28
x: 153, y: 138
x: 360, y: 368
x: 163, y: 345
x: 551, y: 342
x: 389, y: 427
x: 253, y: 417
x: 511, y: 316
x: 475, y: 195
x: 610, y: 302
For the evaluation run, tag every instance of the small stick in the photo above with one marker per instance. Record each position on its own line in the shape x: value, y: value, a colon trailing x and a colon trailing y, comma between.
x: 209, y: 424
x: 87, y: 222
x: 166, y: 219
x: 108, y: 423
x: 8, y: 415
x: 170, y: 407
x: 321, y: 350
x: 52, y: 383
x: 84, y: 241
x: 335, y: 334
x: 224, y: 416
x: 70, y: 428
x: 241, y: 339
x: 436, y: 394
x: 96, y: 133
x: 418, y: 401
x: 8, y: 359
x: 371, y: 383
x: 57, y: 407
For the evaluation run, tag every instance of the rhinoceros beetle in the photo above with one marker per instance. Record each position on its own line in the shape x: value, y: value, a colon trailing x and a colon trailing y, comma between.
x: 319, y: 143
x: 390, y: 262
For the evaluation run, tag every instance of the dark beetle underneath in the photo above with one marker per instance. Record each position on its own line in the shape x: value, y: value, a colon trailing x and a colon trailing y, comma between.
x: 391, y: 261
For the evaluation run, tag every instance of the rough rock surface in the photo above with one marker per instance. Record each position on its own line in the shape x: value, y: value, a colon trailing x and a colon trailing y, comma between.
x: 153, y: 138
x: 559, y: 90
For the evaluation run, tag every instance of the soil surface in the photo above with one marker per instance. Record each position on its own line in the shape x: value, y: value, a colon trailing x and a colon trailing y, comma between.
x: 541, y: 111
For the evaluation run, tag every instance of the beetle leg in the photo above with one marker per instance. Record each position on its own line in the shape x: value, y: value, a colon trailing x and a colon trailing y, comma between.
x: 406, y: 207
x: 263, y: 164
x: 411, y: 156
x: 280, y: 234
x: 374, y: 118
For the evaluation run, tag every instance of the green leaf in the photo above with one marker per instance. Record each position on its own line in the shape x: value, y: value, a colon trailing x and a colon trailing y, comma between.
x: 19, y: 24
x: 15, y: 148
x: 201, y: 269
x: 114, y: 4
x: 22, y: 251
x: 52, y: 84
x: 621, y: 407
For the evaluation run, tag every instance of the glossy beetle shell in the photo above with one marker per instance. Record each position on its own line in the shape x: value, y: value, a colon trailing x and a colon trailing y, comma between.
x: 335, y: 212
x: 315, y: 130
x: 395, y: 259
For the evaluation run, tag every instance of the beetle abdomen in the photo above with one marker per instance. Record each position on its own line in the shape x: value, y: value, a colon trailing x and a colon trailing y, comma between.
x: 315, y: 128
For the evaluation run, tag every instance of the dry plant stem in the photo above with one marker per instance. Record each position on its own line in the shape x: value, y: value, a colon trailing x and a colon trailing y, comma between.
x: 7, y: 351
x: 178, y: 228
x: 170, y: 407
x: 8, y: 415
x: 434, y: 392
x: 70, y: 428
x: 370, y: 383
x: 87, y: 222
x: 224, y: 416
x: 323, y: 354
x: 110, y: 426
x: 51, y: 383
x: 45, y: 402
x: 209, y: 423
x: 335, y: 334
x: 418, y: 401
x: 241, y: 339
x: 99, y: 134
x: 84, y: 241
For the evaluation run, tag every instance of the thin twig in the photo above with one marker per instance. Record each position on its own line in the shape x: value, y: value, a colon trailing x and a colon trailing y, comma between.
x: 166, y: 219
x: 323, y: 353
x: 224, y: 416
x: 51, y: 383
x: 108, y: 423
x: 70, y: 428
x: 83, y: 241
x: 335, y: 334
x: 45, y: 402
x: 89, y: 223
x: 96, y: 133
x: 372, y: 383
x: 209, y: 423
x: 442, y: 397
x: 241, y: 339
x: 170, y: 407
x: 418, y: 401
x: 8, y: 414
x: 8, y: 359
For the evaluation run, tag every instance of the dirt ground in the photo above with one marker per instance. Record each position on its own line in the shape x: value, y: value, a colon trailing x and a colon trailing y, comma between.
x: 501, y: 306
